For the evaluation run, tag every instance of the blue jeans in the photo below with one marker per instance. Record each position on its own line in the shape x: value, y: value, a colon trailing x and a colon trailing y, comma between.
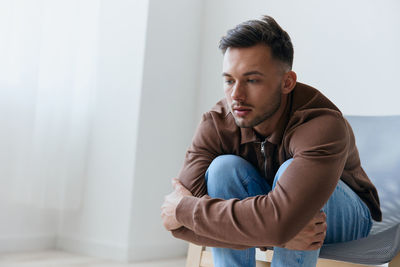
x: 230, y: 176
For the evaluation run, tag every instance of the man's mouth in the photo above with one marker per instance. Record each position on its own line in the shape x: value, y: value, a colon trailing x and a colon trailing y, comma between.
x: 241, y: 111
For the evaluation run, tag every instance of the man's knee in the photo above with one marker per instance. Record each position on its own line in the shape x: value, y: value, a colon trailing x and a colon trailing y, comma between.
x: 221, y: 166
x: 281, y: 170
x: 224, y: 172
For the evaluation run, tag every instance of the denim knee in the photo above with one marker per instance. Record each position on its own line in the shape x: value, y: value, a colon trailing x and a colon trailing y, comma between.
x: 231, y: 176
x: 216, y: 175
x: 280, y: 171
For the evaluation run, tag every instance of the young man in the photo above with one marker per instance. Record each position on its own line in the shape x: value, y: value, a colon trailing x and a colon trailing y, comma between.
x: 272, y: 164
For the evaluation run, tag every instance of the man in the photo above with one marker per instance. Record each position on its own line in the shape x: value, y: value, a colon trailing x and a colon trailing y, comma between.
x: 272, y: 164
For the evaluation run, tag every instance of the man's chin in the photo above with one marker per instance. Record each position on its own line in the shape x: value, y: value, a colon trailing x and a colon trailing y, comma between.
x: 243, y: 124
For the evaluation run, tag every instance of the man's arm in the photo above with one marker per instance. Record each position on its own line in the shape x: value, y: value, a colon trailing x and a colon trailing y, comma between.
x: 205, y: 147
x: 311, y: 237
x: 319, y: 149
x: 170, y: 222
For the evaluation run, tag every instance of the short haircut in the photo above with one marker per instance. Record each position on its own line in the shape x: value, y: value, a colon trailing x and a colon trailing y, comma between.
x: 265, y: 31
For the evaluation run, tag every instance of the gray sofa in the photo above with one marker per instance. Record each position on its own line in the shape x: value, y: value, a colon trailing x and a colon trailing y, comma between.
x: 379, y: 150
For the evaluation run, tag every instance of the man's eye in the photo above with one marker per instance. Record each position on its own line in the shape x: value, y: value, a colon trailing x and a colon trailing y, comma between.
x: 229, y: 82
x: 251, y: 81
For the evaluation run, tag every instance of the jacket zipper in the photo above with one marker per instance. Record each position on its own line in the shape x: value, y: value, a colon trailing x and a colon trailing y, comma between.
x: 265, y: 157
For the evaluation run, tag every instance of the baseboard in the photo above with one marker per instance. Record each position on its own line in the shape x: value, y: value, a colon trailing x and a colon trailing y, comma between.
x: 27, y: 243
x: 92, y: 248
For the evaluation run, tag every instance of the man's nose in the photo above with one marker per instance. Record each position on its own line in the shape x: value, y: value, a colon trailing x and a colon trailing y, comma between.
x: 238, y: 92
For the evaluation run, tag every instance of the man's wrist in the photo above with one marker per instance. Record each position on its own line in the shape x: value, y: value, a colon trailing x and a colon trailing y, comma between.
x: 184, y: 211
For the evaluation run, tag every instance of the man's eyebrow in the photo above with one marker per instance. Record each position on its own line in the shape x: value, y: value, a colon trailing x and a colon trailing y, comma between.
x: 253, y: 72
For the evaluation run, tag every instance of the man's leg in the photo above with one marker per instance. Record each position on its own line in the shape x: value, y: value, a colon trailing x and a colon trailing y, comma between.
x: 348, y: 218
x: 230, y: 176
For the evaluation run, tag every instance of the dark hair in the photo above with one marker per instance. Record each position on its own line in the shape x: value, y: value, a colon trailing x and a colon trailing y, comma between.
x: 265, y: 31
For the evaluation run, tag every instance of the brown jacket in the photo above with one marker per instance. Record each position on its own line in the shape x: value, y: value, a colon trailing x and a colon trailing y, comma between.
x: 313, y: 132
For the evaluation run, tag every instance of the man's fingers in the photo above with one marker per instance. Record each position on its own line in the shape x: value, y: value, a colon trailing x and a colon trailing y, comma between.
x: 180, y: 188
x: 174, y: 182
x: 320, y: 228
x: 320, y: 236
x: 320, y: 217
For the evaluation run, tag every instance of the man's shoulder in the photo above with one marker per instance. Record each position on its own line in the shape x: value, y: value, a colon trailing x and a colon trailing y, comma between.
x: 220, y: 114
x: 318, y: 127
x: 221, y: 108
x: 306, y: 97
x: 218, y: 131
x: 311, y: 105
x: 221, y: 120
x: 315, y: 117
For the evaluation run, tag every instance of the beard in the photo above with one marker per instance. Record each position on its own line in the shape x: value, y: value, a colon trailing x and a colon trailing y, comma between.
x: 268, y: 111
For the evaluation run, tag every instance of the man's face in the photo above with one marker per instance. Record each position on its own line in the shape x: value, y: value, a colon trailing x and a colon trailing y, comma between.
x: 252, y: 84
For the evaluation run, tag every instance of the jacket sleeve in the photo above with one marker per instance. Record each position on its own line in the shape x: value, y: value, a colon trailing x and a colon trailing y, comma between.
x: 205, y: 147
x: 319, y: 149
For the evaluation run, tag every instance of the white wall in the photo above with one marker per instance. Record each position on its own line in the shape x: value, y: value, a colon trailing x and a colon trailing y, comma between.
x: 101, y: 227
x: 25, y: 228
x: 46, y: 76
x: 142, y: 122
x: 346, y: 49
x: 131, y: 164
x: 167, y: 121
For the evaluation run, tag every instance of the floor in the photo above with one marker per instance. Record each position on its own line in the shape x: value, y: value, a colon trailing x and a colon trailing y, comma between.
x: 54, y: 258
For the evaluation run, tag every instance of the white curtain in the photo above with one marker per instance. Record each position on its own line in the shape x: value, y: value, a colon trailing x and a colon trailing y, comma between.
x: 48, y: 56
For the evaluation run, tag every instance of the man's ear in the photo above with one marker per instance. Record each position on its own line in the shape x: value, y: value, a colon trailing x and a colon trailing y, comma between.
x: 288, y: 82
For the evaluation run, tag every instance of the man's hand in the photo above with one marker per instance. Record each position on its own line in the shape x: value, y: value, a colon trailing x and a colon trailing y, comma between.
x: 312, y: 236
x: 171, y: 201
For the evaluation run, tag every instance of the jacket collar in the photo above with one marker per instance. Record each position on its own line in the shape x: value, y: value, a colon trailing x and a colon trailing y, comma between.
x: 249, y: 135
